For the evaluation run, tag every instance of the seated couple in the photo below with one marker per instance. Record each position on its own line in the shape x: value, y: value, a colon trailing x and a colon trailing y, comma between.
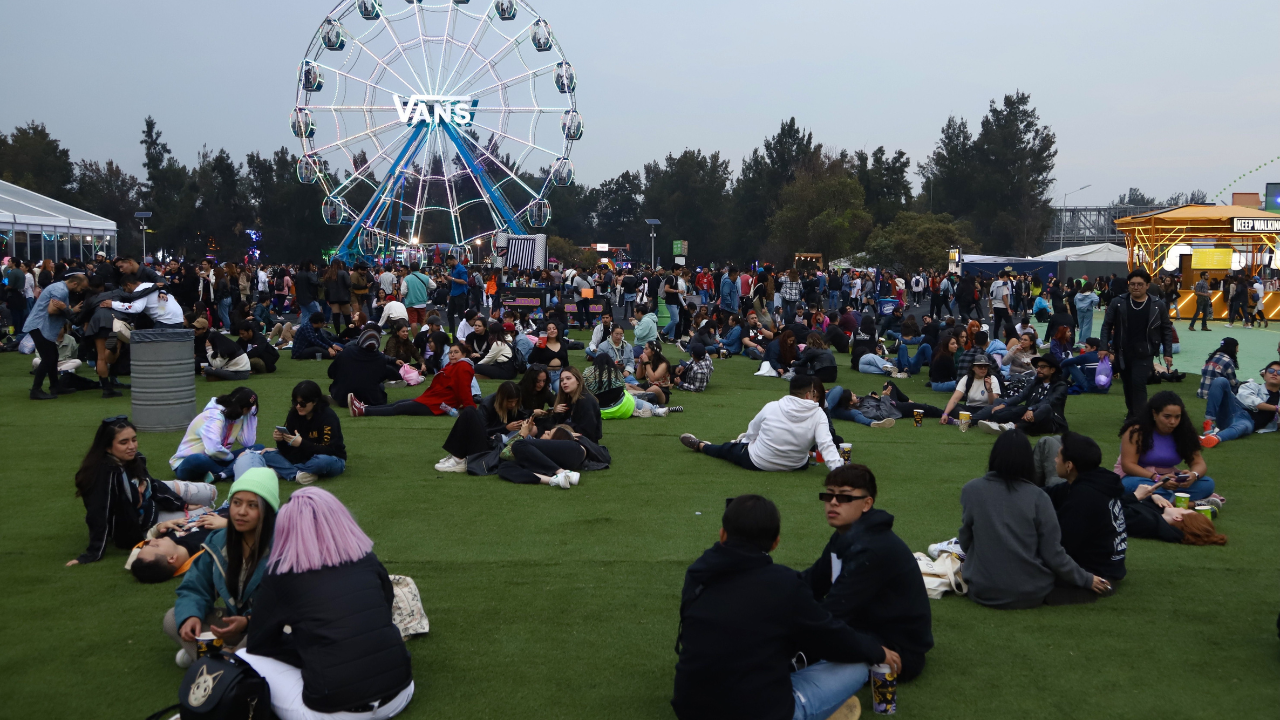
x: 304, y: 601
x: 452, y: 388
x: 122, y: 502
x: 1040, y: 409
x: 1233, y: 413
x: 781, y: 435
x: 529, y: 446
x: 310, y: 446
x: 751, y: 630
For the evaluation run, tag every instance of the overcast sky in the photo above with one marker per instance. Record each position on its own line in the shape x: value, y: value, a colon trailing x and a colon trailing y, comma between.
x: 1166, y: 96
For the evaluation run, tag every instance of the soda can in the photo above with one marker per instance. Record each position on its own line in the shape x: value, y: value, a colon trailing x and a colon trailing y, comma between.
x: 884, y: 690
x: 918, y: 417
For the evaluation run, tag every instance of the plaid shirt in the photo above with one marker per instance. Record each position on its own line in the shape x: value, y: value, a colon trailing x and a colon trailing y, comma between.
x: 965, y: 360
x: 696, y: 375
x: 791, y: 291
x: 1220, y: 365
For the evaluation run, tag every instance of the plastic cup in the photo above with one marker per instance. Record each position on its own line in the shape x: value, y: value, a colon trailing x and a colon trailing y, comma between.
x: 884, y: 690
x: 1206, y: 511
x: 917, y: 417
x: 207, y: 644
x: 846, y: 451
x: 964, y: 421
x: 1182, y: 500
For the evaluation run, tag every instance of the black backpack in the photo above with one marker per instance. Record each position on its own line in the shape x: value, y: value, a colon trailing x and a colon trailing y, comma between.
x: 221, y: 687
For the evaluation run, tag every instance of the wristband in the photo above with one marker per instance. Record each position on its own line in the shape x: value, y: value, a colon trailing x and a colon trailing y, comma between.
x: 1155, y: 476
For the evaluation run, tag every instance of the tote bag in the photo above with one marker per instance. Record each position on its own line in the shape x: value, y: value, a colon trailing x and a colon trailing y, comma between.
x: 1103, y: 377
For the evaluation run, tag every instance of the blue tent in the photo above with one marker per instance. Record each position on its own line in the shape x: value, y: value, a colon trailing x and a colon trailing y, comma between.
x: 991, y: 265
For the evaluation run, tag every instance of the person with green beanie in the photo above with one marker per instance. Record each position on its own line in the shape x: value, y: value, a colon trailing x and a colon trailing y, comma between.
x: 230, y: 568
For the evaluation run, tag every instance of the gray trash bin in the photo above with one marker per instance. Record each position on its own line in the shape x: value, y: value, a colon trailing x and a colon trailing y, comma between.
x: 163, y: 379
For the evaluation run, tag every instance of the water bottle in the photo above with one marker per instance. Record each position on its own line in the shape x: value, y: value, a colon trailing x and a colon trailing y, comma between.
x: 448, y: 410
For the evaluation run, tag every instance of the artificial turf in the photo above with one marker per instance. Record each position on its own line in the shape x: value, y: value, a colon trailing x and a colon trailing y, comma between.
x: 546, y: 603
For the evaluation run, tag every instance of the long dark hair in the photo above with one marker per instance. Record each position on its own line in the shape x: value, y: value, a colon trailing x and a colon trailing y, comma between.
x: 656, y: 358
x: 1012, y: 459
x: 236, y: 559
x: 607, y: 373
x: 98, y: 454
x: 506, y: 391
x: 1229, y: 347
x: 1185, y: 438
x: 309, y: 391
x: 786, y: 348
x: 531, y: 399
x: 237, y: 403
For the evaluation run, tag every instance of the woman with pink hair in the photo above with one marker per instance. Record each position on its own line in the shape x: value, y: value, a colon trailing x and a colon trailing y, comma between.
x: 322, y: 635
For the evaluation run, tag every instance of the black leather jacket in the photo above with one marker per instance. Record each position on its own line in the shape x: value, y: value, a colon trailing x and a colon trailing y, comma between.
x: 1159, y: 334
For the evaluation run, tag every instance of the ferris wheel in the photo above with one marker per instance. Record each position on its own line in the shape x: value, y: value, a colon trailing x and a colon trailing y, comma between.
x: 441, y: 122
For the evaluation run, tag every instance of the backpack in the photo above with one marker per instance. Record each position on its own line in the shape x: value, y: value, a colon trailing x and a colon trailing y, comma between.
x: 221, y: 687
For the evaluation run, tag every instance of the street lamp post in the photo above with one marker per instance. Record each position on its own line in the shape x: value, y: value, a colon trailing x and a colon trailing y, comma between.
x: 653, y: 239
x: 141, y: 217
x: 1061, y: 230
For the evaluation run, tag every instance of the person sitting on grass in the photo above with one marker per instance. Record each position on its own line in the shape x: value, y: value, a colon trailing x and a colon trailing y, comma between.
x: 121, y: 499
x: 535, y: 391
x: 743, y: 619
x: 575, y: 407
x: 172, y: 546
x: 311, y: 446
x: 616, y: 348
x: 780, y: 436
x: 1011, y: 539
x: 866, y: 575
x: 1156, y: 442
x: 226, y: 359
x: 262, y: 356
x: 1253, y: 408
x: 1040, y: 409
x: 780, y: 354
x: 205, y: 449
x: 312, y: 341
x: 1083, y: 368
x: 600, y: 334
x: 1017, y: 361
x: 557, y: 457
x: 976, y: 391
x: 757, y: 337
x: 495, y: 419
x: 695, y: 375
x: 1090, y: 509
x: 604, y: 380
x: 231, y: 570
x: 400, y: 347
x: 361, y: 369
x: 323, y: 635
x: 449, y: 390
x: 1222, y: 363
x: 645, y: 324
x: 942, y: 366
x: 816, y: 359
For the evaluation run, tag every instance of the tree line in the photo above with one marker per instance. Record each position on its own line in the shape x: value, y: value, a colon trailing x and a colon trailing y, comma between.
x: 987, y: 191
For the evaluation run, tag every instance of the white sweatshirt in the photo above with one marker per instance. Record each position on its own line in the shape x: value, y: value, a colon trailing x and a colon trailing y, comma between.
x: 782, y: 432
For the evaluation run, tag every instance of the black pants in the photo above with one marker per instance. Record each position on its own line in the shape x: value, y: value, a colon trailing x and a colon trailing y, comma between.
x: 1042, y: 424
x: 48, y: 351
x: 937, y: 307
x: 826, y: 375
x: 999, y: 316
x: 469, y: 435
x: 908, y: 408
x: 498, y: 371
x: 541, y: 457
x: 1134, y: 373
x: 734, y: 452
x: 404, y: 407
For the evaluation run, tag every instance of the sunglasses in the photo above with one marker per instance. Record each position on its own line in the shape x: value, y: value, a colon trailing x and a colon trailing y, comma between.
x: 827, y: 497
x: 115, y: 419
x: 300, y: 403
x: 1272, y: 371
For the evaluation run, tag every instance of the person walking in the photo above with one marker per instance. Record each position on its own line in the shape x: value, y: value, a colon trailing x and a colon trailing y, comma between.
x: 1136, y: 326
x: 1204, y: 305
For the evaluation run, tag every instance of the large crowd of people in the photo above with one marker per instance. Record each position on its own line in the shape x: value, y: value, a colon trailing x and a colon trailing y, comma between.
x: 278, y: 581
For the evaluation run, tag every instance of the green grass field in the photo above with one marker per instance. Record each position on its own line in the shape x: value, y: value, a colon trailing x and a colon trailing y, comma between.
x: 547, y: 603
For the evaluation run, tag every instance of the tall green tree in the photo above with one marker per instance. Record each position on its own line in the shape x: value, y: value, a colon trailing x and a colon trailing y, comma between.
x: 618, y: 211
x: 170, y: 194
x: 884, y: 180
x: 287, y: 211
x: 108, y: 191
x: 764, y: 173
x: 689, y: 193
x: 915, y: 240
x: 821, y: 211
x: 31, y: 158
x: 223, y: 204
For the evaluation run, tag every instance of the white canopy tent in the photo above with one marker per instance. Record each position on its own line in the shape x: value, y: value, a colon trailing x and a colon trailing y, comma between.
x: 1100, y: 252
x: 35, y: 227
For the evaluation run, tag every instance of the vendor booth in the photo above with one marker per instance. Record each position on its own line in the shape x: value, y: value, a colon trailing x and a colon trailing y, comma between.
x: 1219, y: 239
x: 1094, y: 261
x: 991, y: 265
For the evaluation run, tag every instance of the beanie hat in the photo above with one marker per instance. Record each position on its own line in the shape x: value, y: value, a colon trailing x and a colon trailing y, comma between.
x: 261, y: 481
x: 368, y: 339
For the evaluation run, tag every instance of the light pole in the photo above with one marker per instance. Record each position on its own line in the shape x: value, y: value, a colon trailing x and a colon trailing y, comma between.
x: 1061, y: 221
x: 141, y: 217
x: 653, y: 239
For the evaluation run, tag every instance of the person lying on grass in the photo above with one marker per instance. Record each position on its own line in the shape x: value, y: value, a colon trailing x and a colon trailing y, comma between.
x: 866, y: 575
x: 781, y: 434
x: 173, y: 545
x: 743, y: 619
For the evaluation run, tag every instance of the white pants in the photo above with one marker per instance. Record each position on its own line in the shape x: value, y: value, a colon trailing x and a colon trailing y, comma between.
x: 285, y: 681
x: 63, y: 366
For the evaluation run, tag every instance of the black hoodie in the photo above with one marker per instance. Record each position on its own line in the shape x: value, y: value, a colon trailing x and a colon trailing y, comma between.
x: 742, y: 620
x: 1091, y: 514
x: 321, y: 435
x: 879, y: 590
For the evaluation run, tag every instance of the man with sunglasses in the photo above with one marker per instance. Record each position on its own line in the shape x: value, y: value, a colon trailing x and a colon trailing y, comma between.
x: 1252, y: 408
x: 866, y: 575
x: 1135, y: 328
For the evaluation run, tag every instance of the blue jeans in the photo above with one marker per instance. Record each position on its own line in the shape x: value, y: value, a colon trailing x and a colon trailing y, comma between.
x: 1199, y: 490
x: 1226, y: 411
x: 706, y: 296
x: 824, y: 686
x: 946, y: 387
x: 674, y: 312
x: 322, y: 465
x: 1083, y: 381
x: 872, y: 364
x: 839, y: 413
x: 193, y: 468
x: 224, y: 312
x: 553, y: 379
x: 833, y: 300
x: 911, y: 366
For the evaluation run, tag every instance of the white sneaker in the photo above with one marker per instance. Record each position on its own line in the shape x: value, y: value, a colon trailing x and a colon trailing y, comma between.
x: 885, y: 423
x: 989, y: 427
x: 659, y: 412
x: 1006, y: 427
x: 574, y: 477
x: 766, y: 370
x: 306, y: 478
x: 901, y: 376
x: 642, y: 413
x: 452, y: 464
x: 561, y: 480
x: 183, y: 659
x: 946, y: 546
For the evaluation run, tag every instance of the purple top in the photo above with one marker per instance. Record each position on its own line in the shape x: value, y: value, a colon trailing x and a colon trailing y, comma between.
x: 1163, y: 453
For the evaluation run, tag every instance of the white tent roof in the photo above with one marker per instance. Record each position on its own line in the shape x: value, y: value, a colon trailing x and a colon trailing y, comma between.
x: 24, y: 210
x: 1101, y: 252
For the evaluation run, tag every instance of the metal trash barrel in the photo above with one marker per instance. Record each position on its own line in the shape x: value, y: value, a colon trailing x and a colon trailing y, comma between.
x: 163, y: 379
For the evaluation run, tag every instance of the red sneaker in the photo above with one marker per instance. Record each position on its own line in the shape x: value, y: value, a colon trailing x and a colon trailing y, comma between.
x: 1206, y: 426
x: 1209, y: 441
x: 357, y: 407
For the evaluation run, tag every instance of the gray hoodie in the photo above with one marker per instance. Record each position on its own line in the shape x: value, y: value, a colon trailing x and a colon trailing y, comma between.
x: 1012, y: 544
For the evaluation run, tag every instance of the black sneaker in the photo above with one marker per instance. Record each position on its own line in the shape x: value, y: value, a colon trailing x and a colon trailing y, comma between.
x: 39, y: 394
x: 110, y: 392
x: 675, y: 408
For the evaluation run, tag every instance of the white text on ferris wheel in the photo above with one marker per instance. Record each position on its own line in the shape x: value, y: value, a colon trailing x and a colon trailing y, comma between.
x: 428, y: 109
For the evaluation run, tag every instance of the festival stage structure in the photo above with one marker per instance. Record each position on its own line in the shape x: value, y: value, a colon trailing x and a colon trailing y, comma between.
x: 1218, y: 239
